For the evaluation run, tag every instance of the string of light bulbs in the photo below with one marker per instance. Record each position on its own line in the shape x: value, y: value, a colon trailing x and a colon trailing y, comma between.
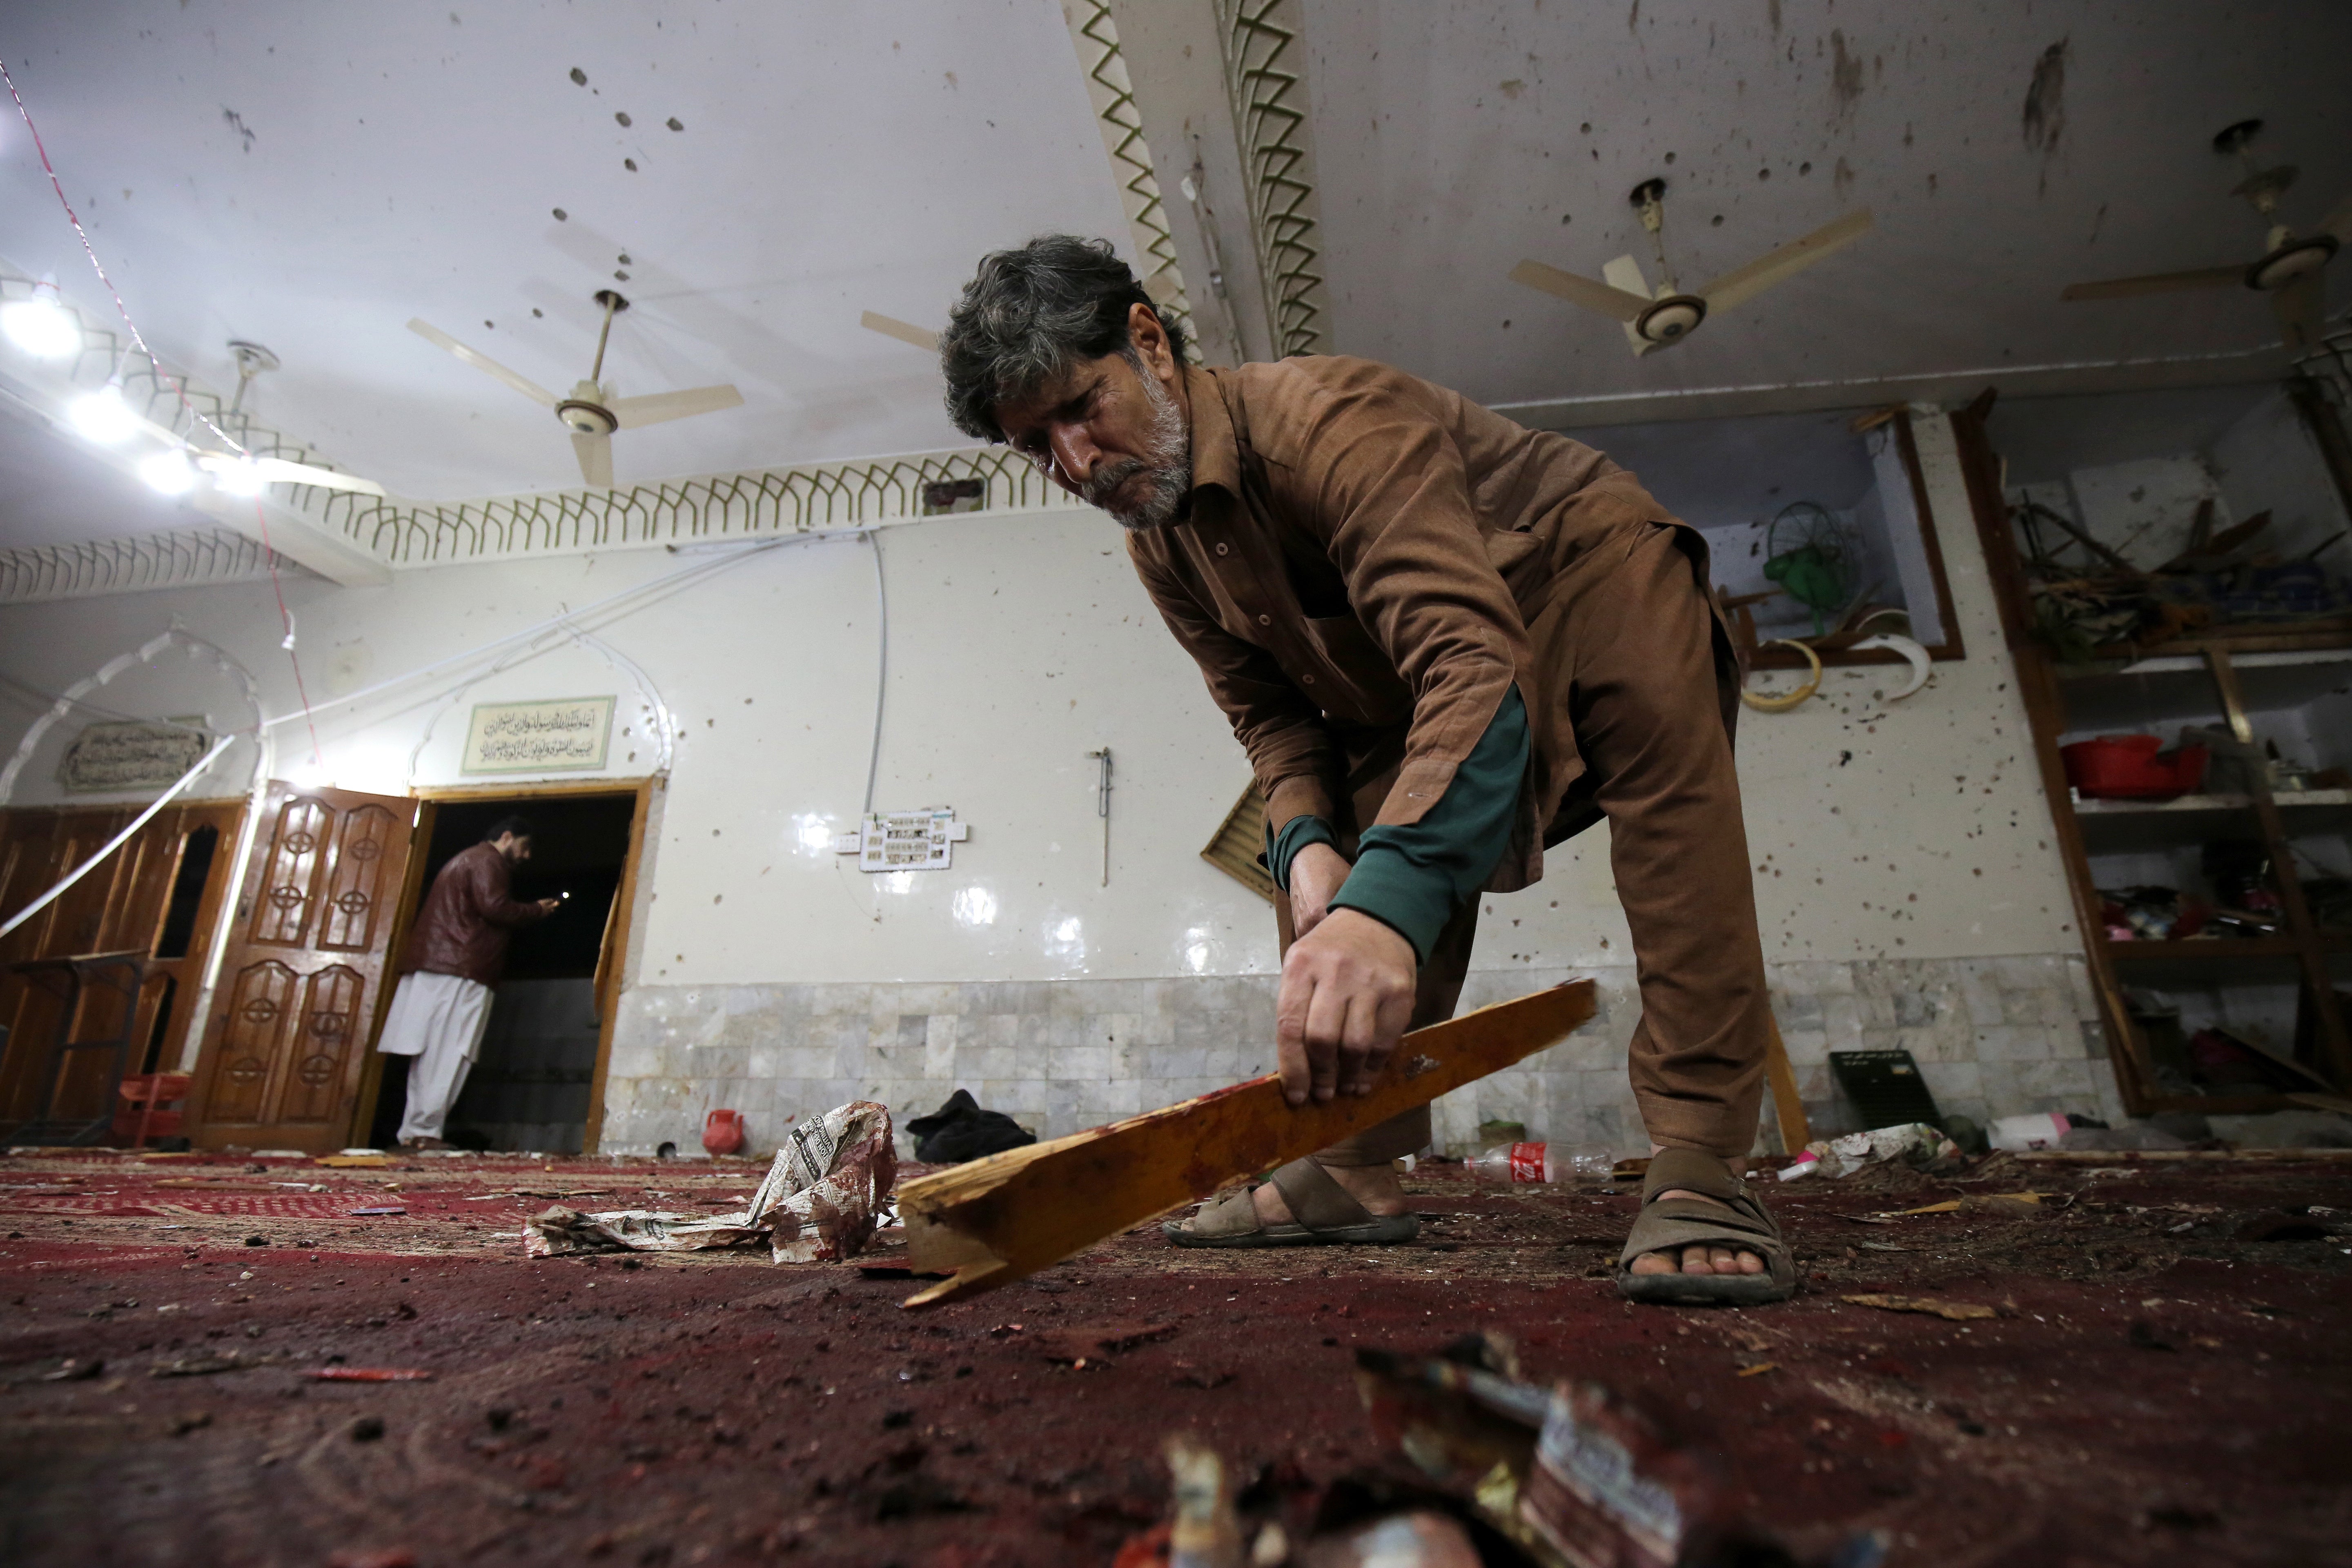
x: 180, y: 391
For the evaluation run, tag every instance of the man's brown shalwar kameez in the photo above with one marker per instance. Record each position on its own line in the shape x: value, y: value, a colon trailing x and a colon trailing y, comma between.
x: 1366, y: 564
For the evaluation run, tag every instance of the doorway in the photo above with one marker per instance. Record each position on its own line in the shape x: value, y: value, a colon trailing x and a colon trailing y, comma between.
x: 534, y: 1085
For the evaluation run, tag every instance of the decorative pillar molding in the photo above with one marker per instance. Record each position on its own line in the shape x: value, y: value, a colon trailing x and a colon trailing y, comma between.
x: 1219, y: 88
x: 1265, y: 77
x: 1095, y: 34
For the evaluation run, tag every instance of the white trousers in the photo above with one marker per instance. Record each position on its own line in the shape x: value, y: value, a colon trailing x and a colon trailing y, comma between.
x: 439, y: 1020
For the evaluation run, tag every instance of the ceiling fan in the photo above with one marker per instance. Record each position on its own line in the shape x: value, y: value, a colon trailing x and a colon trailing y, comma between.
x: 1660, y: 318
x: 590, y: 412
x: 922, y: 338
x: 2291, y: 268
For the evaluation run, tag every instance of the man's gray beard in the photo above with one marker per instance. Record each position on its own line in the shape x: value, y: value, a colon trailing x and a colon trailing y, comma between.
x: 1167, y: 461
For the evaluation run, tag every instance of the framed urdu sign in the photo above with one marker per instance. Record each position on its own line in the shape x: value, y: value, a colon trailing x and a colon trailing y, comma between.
x: 570, y: 734
x: 131, y: 754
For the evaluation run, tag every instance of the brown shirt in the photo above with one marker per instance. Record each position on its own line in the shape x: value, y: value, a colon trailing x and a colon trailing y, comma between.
x: 463, y: 928
x: 1359, y: 561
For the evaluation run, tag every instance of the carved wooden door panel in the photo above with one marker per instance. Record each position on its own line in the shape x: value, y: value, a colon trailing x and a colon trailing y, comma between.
x: 300, y: 983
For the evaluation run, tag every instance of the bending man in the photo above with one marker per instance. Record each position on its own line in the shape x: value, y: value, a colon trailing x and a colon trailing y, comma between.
x: 1446, y: 643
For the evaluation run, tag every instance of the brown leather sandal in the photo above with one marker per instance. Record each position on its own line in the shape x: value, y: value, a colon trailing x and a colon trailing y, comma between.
x: 1669, y: 1225
x: 1322, y: 1214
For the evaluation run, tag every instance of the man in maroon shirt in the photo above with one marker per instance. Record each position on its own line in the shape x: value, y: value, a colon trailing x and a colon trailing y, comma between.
x: 455, y: 954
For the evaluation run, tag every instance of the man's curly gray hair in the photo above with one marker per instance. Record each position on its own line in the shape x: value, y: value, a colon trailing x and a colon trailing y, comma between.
x: 1029, y: 316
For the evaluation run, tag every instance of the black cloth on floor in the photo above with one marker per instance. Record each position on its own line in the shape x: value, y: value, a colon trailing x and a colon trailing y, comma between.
x: 961, y: 1131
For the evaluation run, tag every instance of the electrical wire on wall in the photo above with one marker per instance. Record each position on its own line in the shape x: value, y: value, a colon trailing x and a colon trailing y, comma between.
x: 881, y: 695
x: 881, y: 666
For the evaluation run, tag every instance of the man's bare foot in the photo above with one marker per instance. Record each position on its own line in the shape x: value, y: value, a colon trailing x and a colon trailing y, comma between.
x: 1698, y: 1259
x: 421, y: 1143
x: 1374, y: 1186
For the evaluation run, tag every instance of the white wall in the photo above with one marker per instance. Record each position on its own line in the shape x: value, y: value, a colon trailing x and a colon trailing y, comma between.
x: 1018, y: 644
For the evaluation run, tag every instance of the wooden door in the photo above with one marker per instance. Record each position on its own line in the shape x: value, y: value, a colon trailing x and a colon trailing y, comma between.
x: 42, y: 847
x: 158, y: 893
x: 303, y: 978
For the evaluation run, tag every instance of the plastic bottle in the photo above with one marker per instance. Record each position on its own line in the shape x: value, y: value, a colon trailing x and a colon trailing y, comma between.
x: 1538, y: 1163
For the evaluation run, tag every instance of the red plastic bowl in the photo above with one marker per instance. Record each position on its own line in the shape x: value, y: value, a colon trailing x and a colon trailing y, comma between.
x: 2133, y: 767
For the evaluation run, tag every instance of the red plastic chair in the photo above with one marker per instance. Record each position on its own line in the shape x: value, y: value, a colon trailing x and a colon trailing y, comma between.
x: 139, y: 1114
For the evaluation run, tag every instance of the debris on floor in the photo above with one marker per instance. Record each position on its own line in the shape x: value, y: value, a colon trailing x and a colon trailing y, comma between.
x: 1916, y: 1143
x: 823, y: 1198
x: 2160, y: 1384
x: 962, y: 1129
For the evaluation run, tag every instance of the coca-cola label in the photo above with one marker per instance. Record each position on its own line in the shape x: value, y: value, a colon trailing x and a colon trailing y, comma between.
x: 1526, y: 1162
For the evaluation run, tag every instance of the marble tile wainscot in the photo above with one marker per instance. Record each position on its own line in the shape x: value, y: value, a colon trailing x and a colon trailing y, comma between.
x: 1993, y: 1036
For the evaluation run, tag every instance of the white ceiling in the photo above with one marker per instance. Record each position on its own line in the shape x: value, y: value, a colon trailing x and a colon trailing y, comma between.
x: 310, y: 176
x: 406, y: 159
x: 1450, y: 143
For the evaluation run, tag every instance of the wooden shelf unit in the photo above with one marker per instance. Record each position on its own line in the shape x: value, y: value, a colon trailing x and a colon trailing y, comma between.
x: 2189, y: 680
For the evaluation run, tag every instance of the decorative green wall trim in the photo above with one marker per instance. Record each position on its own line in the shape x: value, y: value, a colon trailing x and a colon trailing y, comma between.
x: 174, y: 558
x: 692, y: 511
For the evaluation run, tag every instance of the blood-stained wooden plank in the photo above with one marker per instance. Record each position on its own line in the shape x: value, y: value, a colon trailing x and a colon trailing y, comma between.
x: 996, y: 1220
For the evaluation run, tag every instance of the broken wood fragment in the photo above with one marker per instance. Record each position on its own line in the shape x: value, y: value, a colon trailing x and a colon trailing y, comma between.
x: 1956, y: 1311
x: 1000, y: 1218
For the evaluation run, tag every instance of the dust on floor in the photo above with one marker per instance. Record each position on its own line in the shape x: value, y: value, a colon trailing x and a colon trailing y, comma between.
x: 2161, y: 1379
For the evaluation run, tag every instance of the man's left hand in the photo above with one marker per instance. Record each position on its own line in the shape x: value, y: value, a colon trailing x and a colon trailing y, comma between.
x: 1346, y: 998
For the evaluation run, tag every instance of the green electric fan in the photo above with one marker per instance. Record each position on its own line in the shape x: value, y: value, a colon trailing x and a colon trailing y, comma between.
x: 1810, y: 555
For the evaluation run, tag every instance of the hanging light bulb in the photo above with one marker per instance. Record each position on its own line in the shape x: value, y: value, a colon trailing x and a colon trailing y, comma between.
x: 103, y: 416
x: 238, y: 475
x: 170, y: 473
x: 41, y: 325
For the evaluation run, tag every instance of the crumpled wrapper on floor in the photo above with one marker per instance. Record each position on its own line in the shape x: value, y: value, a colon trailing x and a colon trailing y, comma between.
x: 828, y: 1188
x: 1916, y: 1143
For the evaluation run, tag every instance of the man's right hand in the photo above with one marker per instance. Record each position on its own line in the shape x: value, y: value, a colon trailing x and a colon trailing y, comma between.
x: 549, y: 906
x: 1316, y: 872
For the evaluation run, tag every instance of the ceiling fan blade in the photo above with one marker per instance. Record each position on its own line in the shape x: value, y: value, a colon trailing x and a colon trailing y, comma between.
x: 2302, y: 308
x: 657, y: 407
x: 2154, y: 283
x: 1625, y: 273
x: 279, y: 471
x: 1777, y: 265
x: 2338, y: 222
x: 595, y: 455
x: 904, y: 331
x: 524, y: 385
x: 1615, y: 303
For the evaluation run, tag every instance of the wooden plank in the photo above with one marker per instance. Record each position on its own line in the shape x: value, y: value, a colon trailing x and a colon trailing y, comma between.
x: 999, y: 1219
x: 2334, y: 1037
x: 1787, y: 1107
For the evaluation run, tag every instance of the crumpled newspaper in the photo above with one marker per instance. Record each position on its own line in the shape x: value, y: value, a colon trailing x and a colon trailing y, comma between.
x: 828, y: 1188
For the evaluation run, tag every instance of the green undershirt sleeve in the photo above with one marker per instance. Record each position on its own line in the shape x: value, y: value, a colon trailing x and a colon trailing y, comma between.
x: 1296, y: 834
x: 1410, y: 876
